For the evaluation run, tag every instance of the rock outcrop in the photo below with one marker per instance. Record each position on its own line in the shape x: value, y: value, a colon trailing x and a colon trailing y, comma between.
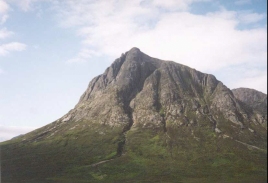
x: 140, y: 90
x: 253, y: 100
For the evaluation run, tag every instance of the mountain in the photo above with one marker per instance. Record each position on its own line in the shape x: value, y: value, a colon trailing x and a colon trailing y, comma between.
x: 146, y: 120
x: 254, y: 99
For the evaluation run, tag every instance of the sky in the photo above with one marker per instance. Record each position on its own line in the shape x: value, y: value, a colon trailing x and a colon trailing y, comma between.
x: 51, y: 49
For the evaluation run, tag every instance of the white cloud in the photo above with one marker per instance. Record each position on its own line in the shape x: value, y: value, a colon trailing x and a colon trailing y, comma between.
x: 251, y: 17
x: 4, y: 7
x: 163, y: 29
x: 213, y: 38
x: 209, y: 42
x: 8, y: 132
x: 4, y: 33
x: 25, y: 4
x: 10, y: 47
x: 172, y: 4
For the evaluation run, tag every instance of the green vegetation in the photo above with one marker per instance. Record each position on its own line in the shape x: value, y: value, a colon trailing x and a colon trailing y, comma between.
x: 150, y: 155
x: 162, y: 112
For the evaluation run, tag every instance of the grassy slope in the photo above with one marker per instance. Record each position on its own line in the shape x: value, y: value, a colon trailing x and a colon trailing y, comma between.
x: 40, y: 160
x: 149, y: 156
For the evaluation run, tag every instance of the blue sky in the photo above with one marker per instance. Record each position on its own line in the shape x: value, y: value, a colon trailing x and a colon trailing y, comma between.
x: 51, y: 49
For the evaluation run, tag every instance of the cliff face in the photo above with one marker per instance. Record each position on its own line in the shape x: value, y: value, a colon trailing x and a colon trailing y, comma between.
x: 141, y: 102
x: 255, y: 100
x: 140, y: 90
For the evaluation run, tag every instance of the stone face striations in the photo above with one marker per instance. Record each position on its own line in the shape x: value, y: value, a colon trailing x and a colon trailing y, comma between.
x: 139, y: 87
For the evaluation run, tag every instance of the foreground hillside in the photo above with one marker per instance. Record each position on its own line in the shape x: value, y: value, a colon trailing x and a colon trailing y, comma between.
x: 146, y: 120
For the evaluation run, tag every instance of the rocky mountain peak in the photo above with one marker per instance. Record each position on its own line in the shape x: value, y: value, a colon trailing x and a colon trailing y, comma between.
x: 136, y: 87
x: 148, y: 115
x: 134, y: 51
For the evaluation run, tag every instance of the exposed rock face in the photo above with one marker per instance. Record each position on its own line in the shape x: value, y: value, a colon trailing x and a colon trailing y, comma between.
x: 255, y: 100
x: 137, y: 87
x: 141, y: 92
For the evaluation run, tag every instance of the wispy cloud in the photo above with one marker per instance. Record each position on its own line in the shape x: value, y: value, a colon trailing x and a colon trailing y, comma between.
x: 28, y: 5
x: 110, y: 28
x: 4, y: 33
x: 3, y: 19
x: 175, y: 4
x: 6, y: 48
x: 4, y: 7
x: 164, y: 29
x: 10, y: 47
x: 167, y: 30
x: 8, y: 132
x: 252, y: 78
x: 242, y: 2
x: 258, y: 82
x: 249, y: 18
x: 84, y: 55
